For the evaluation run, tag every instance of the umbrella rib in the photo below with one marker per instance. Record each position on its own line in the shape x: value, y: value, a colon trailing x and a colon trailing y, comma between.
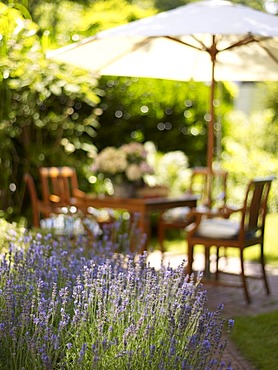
x: 247, y: 40
x: 269, y: 53
x: 187, y: 44
x: 250, y: 39
x: 211, y: 50
x: 244, y: 41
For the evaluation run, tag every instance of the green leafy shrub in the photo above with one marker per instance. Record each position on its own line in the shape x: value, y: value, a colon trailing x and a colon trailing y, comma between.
x: 250, y: 152
x: 46, y: 111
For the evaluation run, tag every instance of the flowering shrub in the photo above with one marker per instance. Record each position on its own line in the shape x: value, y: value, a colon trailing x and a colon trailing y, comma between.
x: 170, y: 169
x: 61, y: 310
x: 127, y: 163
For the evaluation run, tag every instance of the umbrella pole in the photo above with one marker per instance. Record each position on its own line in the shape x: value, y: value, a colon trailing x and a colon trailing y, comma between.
x: 210, y: 147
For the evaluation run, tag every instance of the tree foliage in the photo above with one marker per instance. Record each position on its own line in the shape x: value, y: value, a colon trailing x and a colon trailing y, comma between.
x: 251, y: 151
x: 47, y: 111
x: 163, y: 5
x: 64, y: 22
x: 172, y: 114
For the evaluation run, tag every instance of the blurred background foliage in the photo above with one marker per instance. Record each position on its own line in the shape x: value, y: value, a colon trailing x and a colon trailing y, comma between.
x: 54, y: 114
x: 172, y: 114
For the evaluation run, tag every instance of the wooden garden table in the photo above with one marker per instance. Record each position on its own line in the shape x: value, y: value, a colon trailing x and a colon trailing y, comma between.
x: 143, y: 206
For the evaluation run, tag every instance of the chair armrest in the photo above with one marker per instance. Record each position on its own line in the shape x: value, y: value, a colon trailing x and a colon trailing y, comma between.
x: 45, y: 208
x: 196, y: 220
x: 226, y: 210
x: 79, y: 194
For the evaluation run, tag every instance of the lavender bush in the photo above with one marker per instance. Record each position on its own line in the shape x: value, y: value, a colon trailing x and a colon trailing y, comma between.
x: 62, y: 310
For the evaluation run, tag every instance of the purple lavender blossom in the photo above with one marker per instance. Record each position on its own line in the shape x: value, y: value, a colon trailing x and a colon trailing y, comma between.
x: 65, y: 307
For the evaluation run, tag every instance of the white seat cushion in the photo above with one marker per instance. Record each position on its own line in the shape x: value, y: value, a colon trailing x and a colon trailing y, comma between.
x: 176, y: 214
x: 218, y: 228
x: 69, y: 225
x: 180, y: 213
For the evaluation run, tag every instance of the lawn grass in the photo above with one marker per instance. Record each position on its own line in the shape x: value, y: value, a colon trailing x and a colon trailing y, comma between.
x: 271, y: 239
x: 176, y: 242
x: 256, y: 338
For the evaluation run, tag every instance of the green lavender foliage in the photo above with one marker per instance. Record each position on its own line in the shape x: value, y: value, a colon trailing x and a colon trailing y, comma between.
x: 62, y: 310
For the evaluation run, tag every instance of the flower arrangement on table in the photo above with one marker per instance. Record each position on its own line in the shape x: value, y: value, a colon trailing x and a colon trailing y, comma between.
x: 126, y: 164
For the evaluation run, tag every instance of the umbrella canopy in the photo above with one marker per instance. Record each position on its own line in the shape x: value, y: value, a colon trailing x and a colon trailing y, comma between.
x: 203, y: 41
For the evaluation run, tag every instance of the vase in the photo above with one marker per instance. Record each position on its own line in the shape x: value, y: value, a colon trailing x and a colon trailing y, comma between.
x: 124, y: 190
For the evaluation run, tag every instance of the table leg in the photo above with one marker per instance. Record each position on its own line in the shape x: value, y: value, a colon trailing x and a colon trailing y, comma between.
x: 144, y: 225
x: 141, y: 222
x: 207, y: 262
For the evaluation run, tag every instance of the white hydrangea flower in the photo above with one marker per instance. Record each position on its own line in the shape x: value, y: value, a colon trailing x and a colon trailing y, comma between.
x: 133, y: 172
x: 111, y: 161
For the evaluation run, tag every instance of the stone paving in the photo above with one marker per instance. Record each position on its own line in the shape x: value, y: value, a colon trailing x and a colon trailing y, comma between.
x: 232, y: 297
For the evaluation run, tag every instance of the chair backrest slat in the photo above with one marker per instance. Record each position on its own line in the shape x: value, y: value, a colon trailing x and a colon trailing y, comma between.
x: 58, y: 182
x: 199, y: 185
x: 255, y: 204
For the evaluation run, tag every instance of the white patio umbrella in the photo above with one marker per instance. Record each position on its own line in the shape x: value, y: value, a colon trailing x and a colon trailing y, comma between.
x: 213, y: 40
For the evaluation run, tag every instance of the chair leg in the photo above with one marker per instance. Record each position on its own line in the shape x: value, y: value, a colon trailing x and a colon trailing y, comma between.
x: 207, y: 262
x: 244, y: 283
x: 263, y: 270
x: 217, y: 264
x: 190, y: 251
x: 161, y: 236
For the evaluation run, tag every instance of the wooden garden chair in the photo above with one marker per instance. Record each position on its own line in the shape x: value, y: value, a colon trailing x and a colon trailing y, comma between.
x: 217, y: 230
x: 60, y: 195
x: 180, y: 217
